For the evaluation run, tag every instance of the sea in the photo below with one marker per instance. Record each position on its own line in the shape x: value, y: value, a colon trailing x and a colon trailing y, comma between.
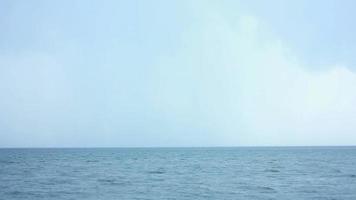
x: 229, y: 173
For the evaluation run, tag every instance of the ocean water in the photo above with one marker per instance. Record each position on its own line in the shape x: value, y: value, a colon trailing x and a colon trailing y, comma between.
x: 179, y: 173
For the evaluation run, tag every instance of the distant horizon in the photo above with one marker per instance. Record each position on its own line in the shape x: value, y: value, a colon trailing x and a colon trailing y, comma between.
x: 138, y: 147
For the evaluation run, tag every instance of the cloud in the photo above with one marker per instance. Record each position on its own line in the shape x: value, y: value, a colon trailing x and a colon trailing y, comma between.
x: 227, y: 80
x: 250, y: 89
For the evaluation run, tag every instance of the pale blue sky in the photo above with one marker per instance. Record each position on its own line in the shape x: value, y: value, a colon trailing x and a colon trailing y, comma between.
x: 177, y: 73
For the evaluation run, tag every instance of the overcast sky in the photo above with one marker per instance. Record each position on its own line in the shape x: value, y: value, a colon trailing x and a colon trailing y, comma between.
x: 177, y: 73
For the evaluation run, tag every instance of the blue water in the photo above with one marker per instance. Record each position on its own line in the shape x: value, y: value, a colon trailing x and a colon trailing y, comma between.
x: 179, y: 173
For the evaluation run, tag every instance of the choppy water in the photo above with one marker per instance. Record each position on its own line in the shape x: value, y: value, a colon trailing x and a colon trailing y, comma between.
x: 179, y: 173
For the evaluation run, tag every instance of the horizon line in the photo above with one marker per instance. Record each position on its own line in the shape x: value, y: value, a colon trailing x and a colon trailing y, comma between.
x: 153, y: 147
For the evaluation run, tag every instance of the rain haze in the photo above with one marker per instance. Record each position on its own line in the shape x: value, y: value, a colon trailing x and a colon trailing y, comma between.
x: 177, y: 73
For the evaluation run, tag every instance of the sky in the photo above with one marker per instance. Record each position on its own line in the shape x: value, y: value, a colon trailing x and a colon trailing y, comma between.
x: 81, y: 73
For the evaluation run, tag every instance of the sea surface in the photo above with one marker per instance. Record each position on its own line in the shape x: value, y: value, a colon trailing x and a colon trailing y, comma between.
x: 179, y: 173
